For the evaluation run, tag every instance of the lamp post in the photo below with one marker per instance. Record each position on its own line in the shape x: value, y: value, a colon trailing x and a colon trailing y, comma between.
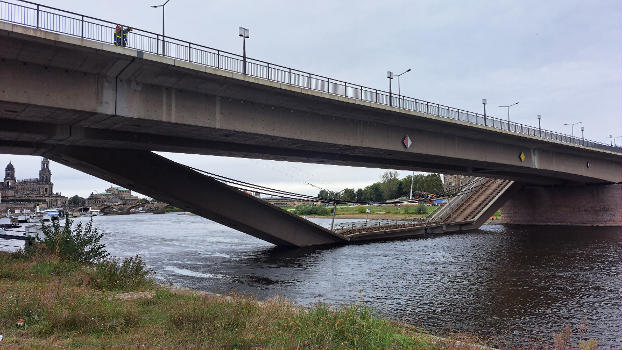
x: 244, y: 34
x: 399, y: 90
x: 582, y: 138
x: 390, y: 77
x: 412, y: 179
x: 484, y: 101
x: 572, y: 127
x: 508, y: 107
x: 539, y: 126
x: 162, y: 6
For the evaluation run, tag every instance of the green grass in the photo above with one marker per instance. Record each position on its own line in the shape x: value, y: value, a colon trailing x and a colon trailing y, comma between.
x: 388, y: 209
x: 63, y: 306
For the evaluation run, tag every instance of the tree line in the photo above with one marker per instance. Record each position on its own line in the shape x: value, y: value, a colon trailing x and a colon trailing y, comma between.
x: 390, y: 187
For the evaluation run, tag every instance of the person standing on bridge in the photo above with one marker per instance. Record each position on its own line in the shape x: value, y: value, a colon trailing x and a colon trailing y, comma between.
x: 125, y: 31
x: 120, y: 35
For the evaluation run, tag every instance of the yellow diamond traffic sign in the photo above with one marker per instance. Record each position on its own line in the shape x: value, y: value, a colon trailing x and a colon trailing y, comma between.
x: 521, y: 156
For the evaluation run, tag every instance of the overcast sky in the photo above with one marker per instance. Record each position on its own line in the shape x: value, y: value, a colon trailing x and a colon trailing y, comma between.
x: 560, y: 59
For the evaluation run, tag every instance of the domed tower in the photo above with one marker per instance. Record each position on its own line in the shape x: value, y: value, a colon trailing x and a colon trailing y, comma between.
x: 9, y: 176
x: 45, y: 175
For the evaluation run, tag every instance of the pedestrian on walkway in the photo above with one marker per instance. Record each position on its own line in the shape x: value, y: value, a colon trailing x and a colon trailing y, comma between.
x: 125, y: 31
x: 120, y: 35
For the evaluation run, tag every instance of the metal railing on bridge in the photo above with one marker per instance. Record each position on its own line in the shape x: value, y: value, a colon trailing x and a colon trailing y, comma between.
x: 70, y: 23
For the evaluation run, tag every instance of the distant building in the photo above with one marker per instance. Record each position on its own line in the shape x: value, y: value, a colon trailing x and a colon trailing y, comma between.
x: 112, y: 196
x: 29, y: 193
x: 453, y: 183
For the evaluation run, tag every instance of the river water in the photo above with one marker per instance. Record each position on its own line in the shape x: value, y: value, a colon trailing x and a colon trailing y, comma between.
x: 508, y: 283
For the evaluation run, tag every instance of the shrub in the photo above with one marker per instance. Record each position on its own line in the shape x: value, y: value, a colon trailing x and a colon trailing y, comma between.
x: 76, y: 244
x: 421, y: 209
x: 129, y: 274
x: 312, y: 210
x: 362, y: 210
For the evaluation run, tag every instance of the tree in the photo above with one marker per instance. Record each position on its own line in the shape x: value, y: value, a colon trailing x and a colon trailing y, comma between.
x: 373, y: 193
x: 76, y: 201
x: 433, y: 184
x: 359, y: 195
x: 323, y: 194
x: 390, y: 185
x: 348, y: 195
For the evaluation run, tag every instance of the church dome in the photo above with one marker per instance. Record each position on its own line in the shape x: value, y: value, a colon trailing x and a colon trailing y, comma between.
x: 9, y: 167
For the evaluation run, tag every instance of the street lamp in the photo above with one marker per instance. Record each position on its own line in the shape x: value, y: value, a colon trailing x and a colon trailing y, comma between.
x: 484, y: 103
x: 244, y: 34
x: 539, y: 126
x: 412, y: 180
x: 399, y: 90
x: 162, y: 6
x: 390, y: 77
x: 508, y: 107
x: 572, y: 127
x: 582, y: 138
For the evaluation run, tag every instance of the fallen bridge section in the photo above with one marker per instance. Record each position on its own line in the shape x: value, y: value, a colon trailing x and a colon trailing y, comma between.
x: 466, y: 211
x: 161, y: 178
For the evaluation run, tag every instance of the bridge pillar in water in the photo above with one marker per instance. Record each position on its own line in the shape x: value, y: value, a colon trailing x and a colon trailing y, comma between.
x: 589, y: 205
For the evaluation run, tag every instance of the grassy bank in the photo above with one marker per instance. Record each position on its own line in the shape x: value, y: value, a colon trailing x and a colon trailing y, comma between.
x: 69, y: 305
x: 49, y: 300
x: 375, y: 212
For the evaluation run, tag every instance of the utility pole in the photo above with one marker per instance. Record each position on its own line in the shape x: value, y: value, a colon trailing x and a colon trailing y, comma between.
x: 484, y: 101
x: 163, y: 42
x: 390, y: 77
x: 572, y: 128
x: 539, y: 127
x: 399, y: 90
x: 508, y: 107
x: 412, y: 179
x: 244, y: 35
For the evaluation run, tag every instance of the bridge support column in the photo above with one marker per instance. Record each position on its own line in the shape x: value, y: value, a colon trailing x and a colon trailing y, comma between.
x: 590, y: 205
x: 153, y: 175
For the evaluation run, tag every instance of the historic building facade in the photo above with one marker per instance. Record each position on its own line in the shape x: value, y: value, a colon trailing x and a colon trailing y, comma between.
x: 453, y: 183
x: 29, y: 192
x: 112, y: 196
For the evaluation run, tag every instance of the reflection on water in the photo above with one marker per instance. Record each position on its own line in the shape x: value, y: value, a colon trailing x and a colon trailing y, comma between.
x: 509, y: 282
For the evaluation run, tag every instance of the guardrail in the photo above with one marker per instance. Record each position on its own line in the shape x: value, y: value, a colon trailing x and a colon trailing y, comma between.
x: 448, y: 210
x: 70, y: 23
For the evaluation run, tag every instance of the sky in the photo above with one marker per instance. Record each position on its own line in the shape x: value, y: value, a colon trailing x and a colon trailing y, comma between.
x: 559, y: 59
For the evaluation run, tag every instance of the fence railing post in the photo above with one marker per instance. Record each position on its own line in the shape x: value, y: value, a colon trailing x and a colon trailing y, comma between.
x: 82, y: 28
x: 189, y: 52
x: 37, y: 16
x: 218, y: 59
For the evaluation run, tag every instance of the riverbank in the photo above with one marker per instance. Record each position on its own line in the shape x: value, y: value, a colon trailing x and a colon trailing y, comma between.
x: 50, y: 303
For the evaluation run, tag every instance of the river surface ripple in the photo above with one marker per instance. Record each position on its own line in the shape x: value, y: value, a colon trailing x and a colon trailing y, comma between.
x: 506, y: 282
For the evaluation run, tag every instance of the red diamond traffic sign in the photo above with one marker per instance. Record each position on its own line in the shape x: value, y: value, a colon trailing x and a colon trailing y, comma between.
x: 406, y: 141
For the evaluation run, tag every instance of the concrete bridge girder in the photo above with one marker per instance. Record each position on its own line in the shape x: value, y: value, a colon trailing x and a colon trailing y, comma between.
x: 121, y: 98
x: 158, y: 177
